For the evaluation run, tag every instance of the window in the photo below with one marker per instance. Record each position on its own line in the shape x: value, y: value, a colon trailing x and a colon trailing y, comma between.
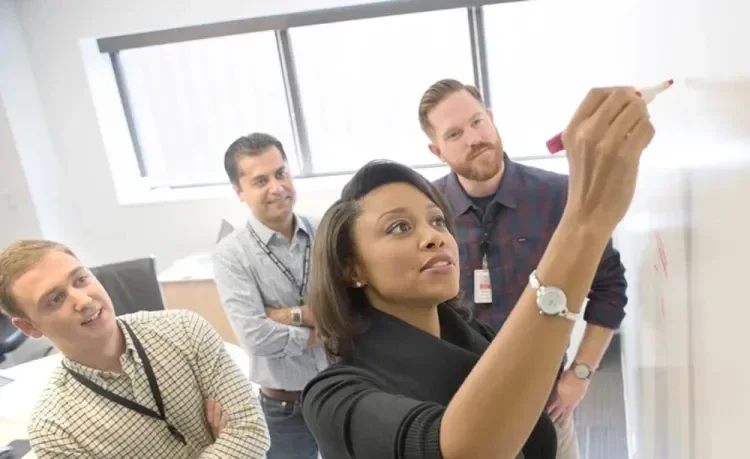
x: 537, y: 75
x: 190, y: 100
x: 360, y: 84
x: 341, y: 88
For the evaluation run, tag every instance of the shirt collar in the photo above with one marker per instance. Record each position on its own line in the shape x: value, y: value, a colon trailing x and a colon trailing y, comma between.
x: 391, y: 347
x: 130, y: 353
x: 129, y: 346
x: 266, y: 234
x: 506, y: 194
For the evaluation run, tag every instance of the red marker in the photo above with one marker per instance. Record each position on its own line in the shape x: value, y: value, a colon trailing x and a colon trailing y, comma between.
x: 648, y: 94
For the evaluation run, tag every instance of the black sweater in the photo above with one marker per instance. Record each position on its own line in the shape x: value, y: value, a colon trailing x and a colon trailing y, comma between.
x: 388, y: 401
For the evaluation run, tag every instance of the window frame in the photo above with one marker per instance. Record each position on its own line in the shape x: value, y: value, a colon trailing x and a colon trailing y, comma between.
x: 280, y: 25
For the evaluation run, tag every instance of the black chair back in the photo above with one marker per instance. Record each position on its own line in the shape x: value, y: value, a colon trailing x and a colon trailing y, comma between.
x: 133, y: 285
x: 11, y: 338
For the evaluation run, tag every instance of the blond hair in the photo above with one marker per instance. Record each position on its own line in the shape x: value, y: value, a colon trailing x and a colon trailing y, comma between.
x: 17, y: 259
x: 437, y: 93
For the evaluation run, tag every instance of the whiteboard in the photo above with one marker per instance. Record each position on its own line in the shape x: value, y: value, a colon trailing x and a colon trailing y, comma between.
x: 685, y: 245
x: 656, y: 351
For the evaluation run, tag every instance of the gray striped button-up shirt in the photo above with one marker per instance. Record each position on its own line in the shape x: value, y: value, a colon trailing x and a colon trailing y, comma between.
x: 248, y: 280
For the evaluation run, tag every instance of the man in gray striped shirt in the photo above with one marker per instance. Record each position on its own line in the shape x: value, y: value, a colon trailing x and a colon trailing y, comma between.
x: 261, y: 272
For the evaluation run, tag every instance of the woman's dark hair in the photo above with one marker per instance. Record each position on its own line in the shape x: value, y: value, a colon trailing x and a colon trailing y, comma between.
x: 340, y: 309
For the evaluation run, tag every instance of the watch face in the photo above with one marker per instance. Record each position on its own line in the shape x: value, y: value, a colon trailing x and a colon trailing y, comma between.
x: 581, y: 371
x: 551, y: 300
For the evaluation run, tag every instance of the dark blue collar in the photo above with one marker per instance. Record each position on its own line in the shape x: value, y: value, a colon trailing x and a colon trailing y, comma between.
x: 506, y: 194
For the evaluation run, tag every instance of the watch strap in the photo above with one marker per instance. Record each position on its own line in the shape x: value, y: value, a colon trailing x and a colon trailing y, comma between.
x: 539, y: 288
x: 534, y: 281
x: 572, y: 316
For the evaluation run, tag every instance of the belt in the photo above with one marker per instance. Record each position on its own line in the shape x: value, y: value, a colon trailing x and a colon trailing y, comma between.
x: 282, y: 395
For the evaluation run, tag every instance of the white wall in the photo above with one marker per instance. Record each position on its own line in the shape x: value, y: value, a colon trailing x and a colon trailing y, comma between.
x: 17, y: 211
x: 33, y: 184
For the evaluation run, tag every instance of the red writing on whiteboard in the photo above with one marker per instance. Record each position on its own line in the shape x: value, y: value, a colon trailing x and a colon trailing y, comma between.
x: 661, y: 308
x: 662, y: 253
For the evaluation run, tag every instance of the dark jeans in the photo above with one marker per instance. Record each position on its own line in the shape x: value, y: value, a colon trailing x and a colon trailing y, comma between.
x: 290, y: 437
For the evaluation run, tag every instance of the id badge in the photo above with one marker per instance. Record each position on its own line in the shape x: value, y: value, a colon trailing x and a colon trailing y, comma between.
x: 482, y: 286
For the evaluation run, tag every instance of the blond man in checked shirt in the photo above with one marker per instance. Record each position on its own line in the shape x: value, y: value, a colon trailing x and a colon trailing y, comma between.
x: 145, y: 385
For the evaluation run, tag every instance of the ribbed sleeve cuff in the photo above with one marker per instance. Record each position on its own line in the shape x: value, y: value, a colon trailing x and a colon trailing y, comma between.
x: 421, y: 436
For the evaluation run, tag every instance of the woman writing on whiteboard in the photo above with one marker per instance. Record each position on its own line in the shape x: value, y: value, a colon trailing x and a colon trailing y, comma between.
x: 413, y: 376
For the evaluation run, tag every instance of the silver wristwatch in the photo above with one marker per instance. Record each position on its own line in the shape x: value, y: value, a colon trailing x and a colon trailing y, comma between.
x: 297, y: 316
x: 551, y: 301
x: 581, y: 370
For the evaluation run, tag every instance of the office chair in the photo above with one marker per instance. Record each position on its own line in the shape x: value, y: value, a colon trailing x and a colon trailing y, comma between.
x: 225, y: 229
x: 11, y: 338
x: 133, y: 285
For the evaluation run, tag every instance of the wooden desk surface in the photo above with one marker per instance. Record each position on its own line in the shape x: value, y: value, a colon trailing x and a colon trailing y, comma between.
x: 201, y: 297
x: 17, y: 399
x: 189, y: 284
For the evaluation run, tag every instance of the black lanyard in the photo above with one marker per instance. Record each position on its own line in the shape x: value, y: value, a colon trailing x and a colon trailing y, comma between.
x: 305, y: 267
x: 155, y: 392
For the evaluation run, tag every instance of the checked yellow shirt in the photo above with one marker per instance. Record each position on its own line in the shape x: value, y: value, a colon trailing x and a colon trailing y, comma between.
x: 190, y: 364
